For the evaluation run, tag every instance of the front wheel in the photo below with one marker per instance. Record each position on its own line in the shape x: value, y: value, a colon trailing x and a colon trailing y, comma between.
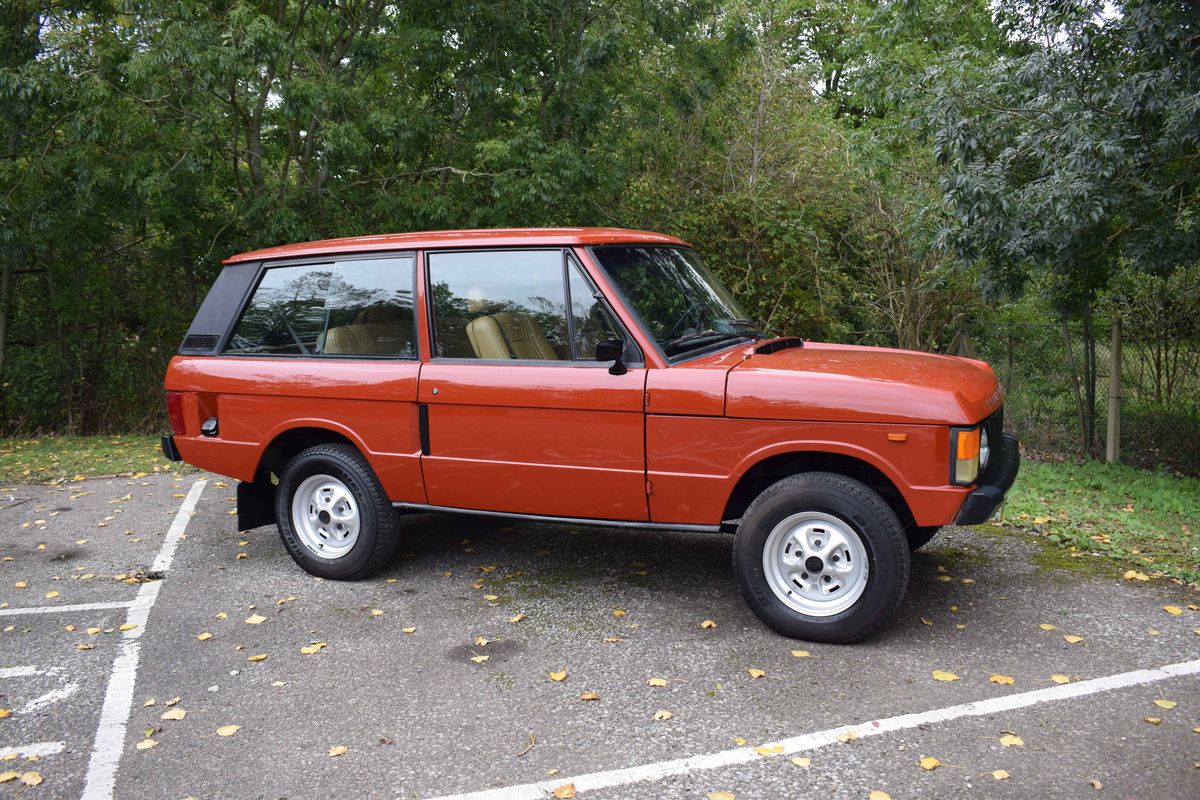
x: 334, y: 517
x: 822, y: 557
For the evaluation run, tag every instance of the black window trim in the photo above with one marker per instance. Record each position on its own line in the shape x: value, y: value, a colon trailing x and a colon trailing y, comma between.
x: 569, y: 258
x: 315, y: 260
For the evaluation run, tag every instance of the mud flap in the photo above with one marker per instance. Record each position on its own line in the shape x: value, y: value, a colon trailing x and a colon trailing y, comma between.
x: 255, y: 504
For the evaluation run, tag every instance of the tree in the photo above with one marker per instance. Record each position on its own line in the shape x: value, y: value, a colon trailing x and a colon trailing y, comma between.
x: 1075, y: 154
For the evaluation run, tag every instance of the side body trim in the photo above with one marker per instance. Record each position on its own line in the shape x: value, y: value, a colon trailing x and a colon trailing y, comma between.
x: 603, y: 523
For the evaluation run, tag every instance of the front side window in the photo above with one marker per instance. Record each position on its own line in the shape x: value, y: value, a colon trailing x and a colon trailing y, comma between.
x: 682, y: 305
x: 499, y: 305
x: 358, y: 307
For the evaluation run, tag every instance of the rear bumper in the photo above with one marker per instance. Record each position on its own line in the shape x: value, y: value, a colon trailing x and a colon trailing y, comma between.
x: 983, y: 501
x: 169, y: 449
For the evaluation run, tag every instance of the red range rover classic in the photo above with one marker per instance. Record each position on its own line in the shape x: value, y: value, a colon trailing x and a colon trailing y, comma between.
x: 582, y: 375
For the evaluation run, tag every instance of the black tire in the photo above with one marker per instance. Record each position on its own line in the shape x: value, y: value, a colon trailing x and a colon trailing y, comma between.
x: 378, y: 532
x: 920, y: 535
x: 860, y: 511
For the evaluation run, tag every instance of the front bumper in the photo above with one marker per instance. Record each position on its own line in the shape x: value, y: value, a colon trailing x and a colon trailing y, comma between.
x: 983, y: 501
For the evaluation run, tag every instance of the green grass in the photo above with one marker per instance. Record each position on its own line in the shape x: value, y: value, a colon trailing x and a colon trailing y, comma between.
x: 63, y: 458
x: 1147, y: 521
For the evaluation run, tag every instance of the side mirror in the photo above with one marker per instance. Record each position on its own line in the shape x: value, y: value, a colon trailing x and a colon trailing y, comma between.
x: 611, y: 350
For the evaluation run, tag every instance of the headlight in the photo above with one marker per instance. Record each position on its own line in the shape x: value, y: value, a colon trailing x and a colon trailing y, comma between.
x: 965, y: 455
x: 984, y: 450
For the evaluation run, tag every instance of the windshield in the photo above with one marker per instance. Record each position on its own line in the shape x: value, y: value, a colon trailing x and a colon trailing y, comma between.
x: 681, y: 304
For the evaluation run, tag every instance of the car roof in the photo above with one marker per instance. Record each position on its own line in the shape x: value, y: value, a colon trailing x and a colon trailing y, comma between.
x: 483, y: 237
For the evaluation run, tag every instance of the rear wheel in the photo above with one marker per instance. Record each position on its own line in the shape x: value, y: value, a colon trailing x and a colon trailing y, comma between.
x: 334, y: 517
x: 822, y: 557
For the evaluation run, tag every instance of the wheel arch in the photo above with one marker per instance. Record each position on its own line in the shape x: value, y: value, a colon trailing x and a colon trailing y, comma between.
x: 764, y: 469
x: 286, y: 443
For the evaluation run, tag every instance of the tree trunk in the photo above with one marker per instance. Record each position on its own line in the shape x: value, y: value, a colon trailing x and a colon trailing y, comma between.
x: 1083, y: 445
x: 1112, y: 452
x: 6, y: 281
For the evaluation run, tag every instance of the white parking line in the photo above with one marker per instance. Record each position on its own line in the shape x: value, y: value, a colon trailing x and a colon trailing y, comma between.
x: 812, y: 741
x: 12, y: 612
x: 39, y: 749
x: 114, y: 714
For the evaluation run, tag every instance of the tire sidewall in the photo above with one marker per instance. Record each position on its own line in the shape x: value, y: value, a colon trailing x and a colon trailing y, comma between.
x: 302, y: 467
x: 877, y: 528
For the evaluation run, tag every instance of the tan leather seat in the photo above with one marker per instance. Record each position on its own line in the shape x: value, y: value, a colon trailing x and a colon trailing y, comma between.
x: 509, y: 335
x: 378, y: 330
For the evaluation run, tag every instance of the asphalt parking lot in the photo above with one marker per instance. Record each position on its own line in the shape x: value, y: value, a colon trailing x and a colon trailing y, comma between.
x: 437, y: 678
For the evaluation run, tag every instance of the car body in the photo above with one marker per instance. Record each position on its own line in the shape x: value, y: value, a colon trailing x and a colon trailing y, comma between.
x: 530, y: 373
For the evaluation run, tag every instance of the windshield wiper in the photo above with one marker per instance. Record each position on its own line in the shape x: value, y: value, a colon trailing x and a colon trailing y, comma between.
x: 673, y: 344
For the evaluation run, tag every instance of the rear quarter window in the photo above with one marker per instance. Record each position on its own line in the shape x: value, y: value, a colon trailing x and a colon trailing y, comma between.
x: 359, y: 307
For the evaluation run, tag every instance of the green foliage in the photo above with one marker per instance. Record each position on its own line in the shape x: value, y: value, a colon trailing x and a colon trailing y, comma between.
x: 1147, y: 520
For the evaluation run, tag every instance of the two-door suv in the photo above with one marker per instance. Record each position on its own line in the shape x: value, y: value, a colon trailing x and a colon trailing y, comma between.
x: 582, y: 375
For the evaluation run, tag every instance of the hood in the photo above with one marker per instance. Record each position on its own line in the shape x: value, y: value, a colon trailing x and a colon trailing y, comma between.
x: 845, y: 383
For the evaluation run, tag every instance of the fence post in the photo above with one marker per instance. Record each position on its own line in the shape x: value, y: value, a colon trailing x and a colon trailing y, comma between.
x: 1112, y: 453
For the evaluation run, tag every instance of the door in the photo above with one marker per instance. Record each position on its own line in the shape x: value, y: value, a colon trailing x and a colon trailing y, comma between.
x: 520, y: 416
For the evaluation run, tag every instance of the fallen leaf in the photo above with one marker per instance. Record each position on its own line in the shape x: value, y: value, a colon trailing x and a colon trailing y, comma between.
x: 128, y: 626
x: 941, y: 675
x: 708, y: 623
x: 1000, y: 774
x: 1046, y: 626
x: 1003, y: 680
x: 228, y: 730
x: 313, y: 649
x: 1060, y: 678
x: 221, y: 615
x: 257, y: 657
x: 657, y: 682
x: 204, y: 637
x: 409, y: 629
x: 93, y: 631
x: 1174, y: 611
x: 1011, y: 740
x: 5, y: 712
x: 146, y: 744
x: 929, y: 763
x: 1072, y: 638
x: 801, y: 654
x: 338, y: 750
x: 1134, y: 575
x: 149, y: 702
x: 769, y: 750
x: 255, y: 619
x: 848, y: 736
x: 926, y: 621
x: 10, y: 775
x: 85, y: 646
x: 21, y: 585
x: 31, y: 778
x: 1167, y: 704
x: 721, y: 796
x: 516, y: 618
x: 173, y: 714
x: 376, y: 612
x: 1097, y: 785
x: 756, y: 673
x: 558, y: 677
x: 564, y: 792
x: 618, y: 612
x: 481, y: 641
x: 801, y: 761
x: 173, y: 701
x: 480, y: 659
x: 491, y: 597
x: 1154, y: 720
x: 876, y: 794
x: 589, y: 696
x: 51, y: 595
x: 662, y: 714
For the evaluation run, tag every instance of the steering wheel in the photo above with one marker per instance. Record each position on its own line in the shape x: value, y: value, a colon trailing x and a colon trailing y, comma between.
x: 682, y: 317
